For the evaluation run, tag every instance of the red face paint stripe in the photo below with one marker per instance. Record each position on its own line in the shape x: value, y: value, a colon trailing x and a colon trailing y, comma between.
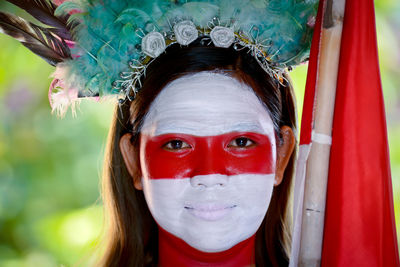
x: 206, y: 155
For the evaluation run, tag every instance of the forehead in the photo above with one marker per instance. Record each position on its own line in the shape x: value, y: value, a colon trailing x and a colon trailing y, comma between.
x: 206, y: 104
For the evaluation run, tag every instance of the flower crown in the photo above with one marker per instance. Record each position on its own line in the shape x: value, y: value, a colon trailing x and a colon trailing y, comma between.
x: 103, y: 47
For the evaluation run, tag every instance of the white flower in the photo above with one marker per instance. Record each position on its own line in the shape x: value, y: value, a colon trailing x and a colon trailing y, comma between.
x: 185, y: 32
x: 153, y: 44
x: 222, y: 36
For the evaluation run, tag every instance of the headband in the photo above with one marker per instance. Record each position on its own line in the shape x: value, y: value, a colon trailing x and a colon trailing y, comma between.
x: 103, y: 48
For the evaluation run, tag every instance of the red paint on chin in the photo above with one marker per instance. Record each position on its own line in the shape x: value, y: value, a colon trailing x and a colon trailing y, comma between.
x: 175, y: 252
x: 206, y: 155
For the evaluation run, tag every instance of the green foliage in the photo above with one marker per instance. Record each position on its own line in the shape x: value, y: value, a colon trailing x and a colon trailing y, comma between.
x: 49, y: 168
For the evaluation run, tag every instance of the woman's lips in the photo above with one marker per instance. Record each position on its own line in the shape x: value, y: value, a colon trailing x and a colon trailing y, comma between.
x: 209, y: 212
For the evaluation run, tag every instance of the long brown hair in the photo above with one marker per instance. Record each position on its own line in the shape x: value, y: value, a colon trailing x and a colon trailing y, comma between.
x: 132, y: 237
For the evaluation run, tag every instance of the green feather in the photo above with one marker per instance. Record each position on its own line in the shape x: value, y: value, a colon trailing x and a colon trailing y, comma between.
x: 110, y: 31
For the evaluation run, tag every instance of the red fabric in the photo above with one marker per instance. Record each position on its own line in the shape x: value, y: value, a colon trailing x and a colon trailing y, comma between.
x: 307, y: 118
x: 359, y: 222
x: 206, y: 155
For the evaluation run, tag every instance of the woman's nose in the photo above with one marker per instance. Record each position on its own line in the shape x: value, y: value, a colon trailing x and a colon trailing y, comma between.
x: 209, y: 181
x: 211, y: 158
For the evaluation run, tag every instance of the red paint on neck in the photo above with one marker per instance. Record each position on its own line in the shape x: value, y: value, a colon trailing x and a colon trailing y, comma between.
x: 175, y: 252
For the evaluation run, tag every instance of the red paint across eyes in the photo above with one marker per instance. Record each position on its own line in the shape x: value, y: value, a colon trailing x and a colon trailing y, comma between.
x: 205, y: 155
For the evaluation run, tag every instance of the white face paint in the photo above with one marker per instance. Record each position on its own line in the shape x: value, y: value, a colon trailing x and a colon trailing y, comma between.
x: 207, y: 104
x: 215, y: 211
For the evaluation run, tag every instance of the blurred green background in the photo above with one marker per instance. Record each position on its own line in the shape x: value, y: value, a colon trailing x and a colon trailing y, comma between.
x: 50, y: 206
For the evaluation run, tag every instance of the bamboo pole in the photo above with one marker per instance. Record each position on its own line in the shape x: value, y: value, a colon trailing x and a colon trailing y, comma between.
x: 318, y: 162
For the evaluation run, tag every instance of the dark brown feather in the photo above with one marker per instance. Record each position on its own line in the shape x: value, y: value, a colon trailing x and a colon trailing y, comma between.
x: 39, y: 40
x: 43, y: 11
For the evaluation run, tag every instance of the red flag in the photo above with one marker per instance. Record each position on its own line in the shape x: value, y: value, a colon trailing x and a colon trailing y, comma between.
x: 305, y: 137
x: 359, y: 222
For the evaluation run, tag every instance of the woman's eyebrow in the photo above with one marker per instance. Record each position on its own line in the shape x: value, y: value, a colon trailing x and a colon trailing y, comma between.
x: 251, y: 126
x: 204, y: 129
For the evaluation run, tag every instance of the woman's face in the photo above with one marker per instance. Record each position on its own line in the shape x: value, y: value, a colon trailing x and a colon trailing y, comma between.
x: 208, y: 160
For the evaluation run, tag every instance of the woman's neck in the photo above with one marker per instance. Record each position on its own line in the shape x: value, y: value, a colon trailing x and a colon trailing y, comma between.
x: 175, y: 252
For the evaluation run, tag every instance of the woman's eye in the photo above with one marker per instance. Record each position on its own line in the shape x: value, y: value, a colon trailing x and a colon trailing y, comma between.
x: 176, y: 145
x: 241, y: 142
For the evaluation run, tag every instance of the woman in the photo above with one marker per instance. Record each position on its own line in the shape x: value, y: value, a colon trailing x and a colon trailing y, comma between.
x: 141, y: 243
x: 201, y: 151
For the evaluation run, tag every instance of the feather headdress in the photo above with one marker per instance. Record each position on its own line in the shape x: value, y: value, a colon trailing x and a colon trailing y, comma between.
x: 103, y: 47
